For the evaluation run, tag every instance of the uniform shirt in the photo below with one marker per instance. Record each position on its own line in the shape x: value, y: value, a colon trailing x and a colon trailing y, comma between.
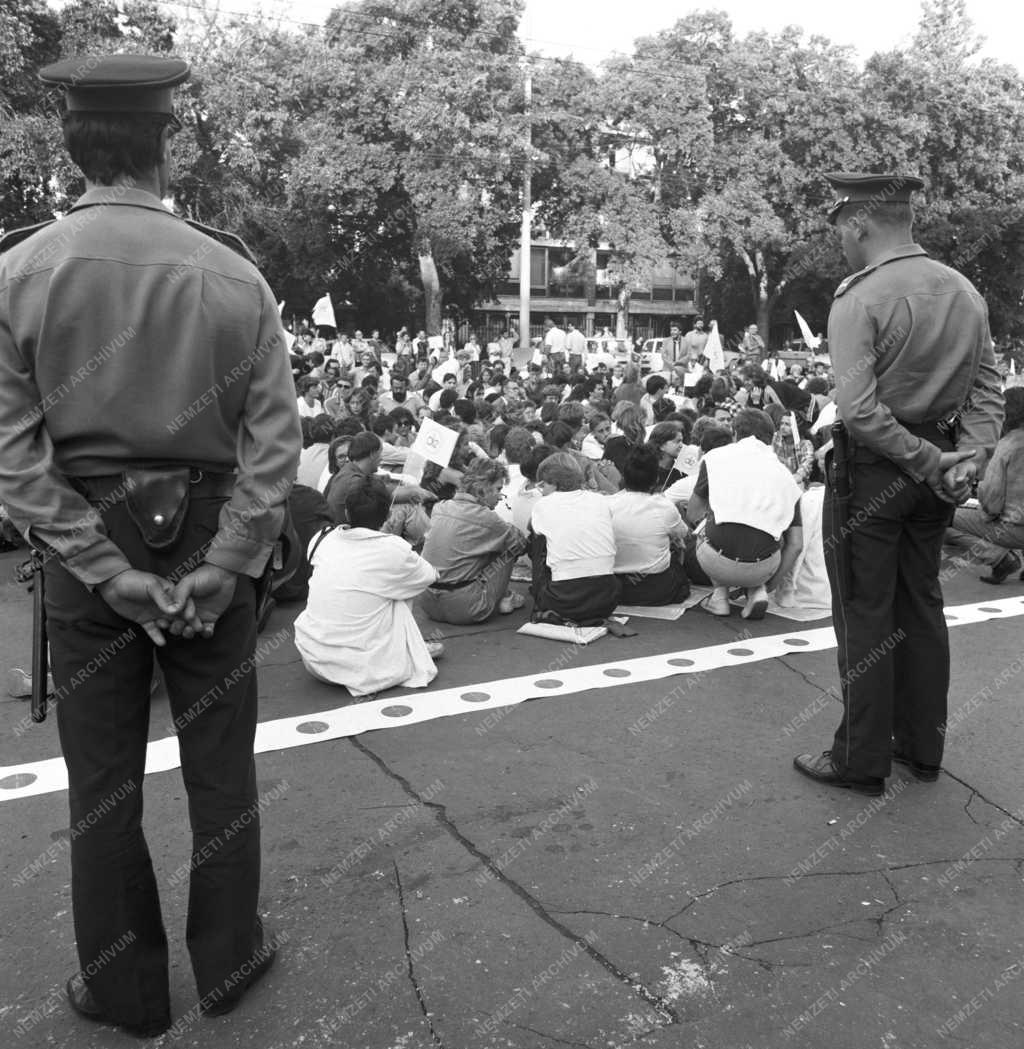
x: 130, y: 339
x: 910, y: 343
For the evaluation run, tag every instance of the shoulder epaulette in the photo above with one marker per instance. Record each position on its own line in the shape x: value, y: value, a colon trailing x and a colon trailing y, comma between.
x: 16, y: 236
x: 222, y: 236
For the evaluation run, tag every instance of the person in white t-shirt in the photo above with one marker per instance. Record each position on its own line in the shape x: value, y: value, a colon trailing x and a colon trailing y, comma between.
x: 572, y: 548
x: 554, y: 343
x: 649, y: 536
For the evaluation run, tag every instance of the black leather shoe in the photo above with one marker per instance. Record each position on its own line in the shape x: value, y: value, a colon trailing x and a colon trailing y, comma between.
x: 925, y: 773
x: 81, y: 1000
x: 1004, y: 568
x: 821, y: 770
x: 258, y: 965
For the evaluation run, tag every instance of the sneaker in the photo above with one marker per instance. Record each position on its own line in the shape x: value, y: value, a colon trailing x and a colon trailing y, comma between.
x: 1005, y: 567
x: 757, y: 603
x: 717, y: 602
x: 510, y: 603
x: 435, y: 649
x: 19, y: 684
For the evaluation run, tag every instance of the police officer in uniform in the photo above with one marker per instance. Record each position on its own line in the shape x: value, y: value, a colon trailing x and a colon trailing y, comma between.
x: 920, y: 409
x: 148, y: 440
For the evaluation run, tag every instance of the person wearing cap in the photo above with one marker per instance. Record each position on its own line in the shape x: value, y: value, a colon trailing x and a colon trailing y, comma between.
x: 920, y: 408
x: 148, y: 440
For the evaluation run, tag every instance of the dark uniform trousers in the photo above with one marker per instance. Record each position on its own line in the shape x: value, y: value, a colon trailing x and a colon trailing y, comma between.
x: 888, y: 614
x: 102, y: 668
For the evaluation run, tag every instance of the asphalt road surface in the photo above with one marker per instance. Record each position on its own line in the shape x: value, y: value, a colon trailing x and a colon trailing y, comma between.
x: 630, y: 863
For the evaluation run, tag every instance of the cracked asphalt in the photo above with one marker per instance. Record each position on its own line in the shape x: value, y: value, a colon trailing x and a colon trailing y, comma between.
x: 630, y: 866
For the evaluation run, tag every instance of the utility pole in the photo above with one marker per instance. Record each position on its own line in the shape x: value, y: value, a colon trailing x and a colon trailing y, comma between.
x: 524, y: 236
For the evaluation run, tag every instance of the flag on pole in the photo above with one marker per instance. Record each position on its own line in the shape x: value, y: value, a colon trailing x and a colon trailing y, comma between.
x: 713, y: 349
x: 434, y: 444
x: 1013, y: 367
x: 447, y: 367
x: 289, y: 340
x: 323, y: 313
x: 811, y: 341
x: 280, y: 307
x: 795, y: 429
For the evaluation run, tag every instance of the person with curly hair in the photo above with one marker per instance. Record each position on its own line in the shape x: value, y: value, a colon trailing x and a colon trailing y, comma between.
x: 473, y: 550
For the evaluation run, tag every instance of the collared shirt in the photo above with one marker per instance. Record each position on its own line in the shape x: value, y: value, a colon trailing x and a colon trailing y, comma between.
x: 464, y: 536
x: 910, y: 343
x: 130, y: 339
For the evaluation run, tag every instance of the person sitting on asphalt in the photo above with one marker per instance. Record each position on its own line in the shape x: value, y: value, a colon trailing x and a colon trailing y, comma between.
x: 752, y: 504
x: 666, y: 441
x: 406, y: 518
x: 572, y: 548
x: 649, y: 536
x: 516, y: 446
x: 473, y: 550
x: 629, y: 432
x: 357, y: 628
x: 600, y: 427
x: 994, y: 532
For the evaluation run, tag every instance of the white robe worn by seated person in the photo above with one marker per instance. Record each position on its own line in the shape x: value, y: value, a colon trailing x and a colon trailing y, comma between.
x: 357, y: 628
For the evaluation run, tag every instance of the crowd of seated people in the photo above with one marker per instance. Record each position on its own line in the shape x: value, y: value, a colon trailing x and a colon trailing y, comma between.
x: 609, y: 487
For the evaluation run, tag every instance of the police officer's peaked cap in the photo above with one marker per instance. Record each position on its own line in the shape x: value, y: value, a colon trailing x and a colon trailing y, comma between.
x: 864, y: 188
x: 117, y: 83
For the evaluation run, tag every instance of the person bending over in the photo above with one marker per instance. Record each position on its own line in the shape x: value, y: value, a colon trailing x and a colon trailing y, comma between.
x: 752, y: 504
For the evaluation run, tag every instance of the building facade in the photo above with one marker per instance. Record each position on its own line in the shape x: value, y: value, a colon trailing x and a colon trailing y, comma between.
x: 585, y: 293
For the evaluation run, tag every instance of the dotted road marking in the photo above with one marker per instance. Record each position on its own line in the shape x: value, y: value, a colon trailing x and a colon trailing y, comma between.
x: 49, y: 776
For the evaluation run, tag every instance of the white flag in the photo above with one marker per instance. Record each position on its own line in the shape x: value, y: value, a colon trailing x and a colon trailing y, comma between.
x: 448, y: 367
x: 794, y: 429
x: 1013, y: 367
x: 812, y: 342
x: 434, y: 442
x: 280, y: 308
x: 713, y: 349
x: 289, y: 340
x: 323, y: 313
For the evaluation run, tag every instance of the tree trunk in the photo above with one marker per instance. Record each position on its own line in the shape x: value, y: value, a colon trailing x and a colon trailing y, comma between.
x: 433, y: 299
x: 622, y: 314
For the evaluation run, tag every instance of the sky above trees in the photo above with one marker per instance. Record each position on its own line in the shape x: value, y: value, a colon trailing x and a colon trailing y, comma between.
x: 593, y: 30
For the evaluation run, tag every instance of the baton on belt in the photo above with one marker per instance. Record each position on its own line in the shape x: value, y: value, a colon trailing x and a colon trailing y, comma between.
x: 841, y: 481
x: 31, y: 572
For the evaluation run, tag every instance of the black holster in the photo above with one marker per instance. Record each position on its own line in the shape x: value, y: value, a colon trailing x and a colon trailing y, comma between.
x: 157, y: 500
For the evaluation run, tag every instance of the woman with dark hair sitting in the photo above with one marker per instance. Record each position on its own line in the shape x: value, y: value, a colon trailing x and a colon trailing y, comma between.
x: 994, y: 532
x: 630, y: 433
x: 572, y: 547
x: 649, y: 536
x: 473, y: 550
x: 666, y: 441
